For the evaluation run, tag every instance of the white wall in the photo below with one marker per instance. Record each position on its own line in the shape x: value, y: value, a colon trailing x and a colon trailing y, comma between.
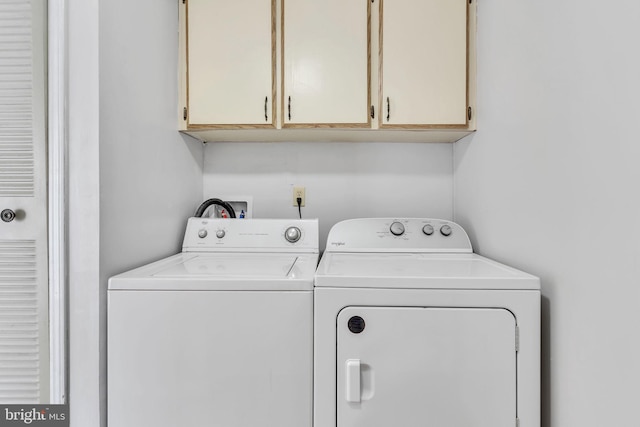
x: 83, y: 213
x: 549, y: 183
x: 342, y: 180
x: 150, y: 176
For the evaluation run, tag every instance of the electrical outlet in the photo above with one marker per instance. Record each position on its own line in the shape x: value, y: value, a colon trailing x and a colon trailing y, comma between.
x: 298, y: 192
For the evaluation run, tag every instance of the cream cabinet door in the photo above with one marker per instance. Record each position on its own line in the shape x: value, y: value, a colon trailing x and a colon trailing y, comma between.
x: 326, y: 70
x: 231, y: 63
x: 423, y: 63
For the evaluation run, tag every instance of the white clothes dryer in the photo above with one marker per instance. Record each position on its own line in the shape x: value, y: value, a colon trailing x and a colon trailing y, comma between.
x: 413, y: 329
x: 219, y: 334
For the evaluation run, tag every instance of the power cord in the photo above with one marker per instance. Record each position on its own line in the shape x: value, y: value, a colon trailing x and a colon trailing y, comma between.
x: 299, y: 200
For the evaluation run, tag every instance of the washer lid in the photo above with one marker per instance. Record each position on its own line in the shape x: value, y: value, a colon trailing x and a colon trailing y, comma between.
x: 419, y: 270
x: 222, y: 271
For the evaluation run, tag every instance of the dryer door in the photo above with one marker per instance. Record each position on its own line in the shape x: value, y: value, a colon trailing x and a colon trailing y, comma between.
x: 417, y: 366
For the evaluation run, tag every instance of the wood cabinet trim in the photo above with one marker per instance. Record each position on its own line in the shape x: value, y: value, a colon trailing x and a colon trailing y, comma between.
x: 282, y: 90
x: 467, y: 64
x: 368, y: 106
x: 186, y: 38
x: 326, y: 134
x: 380, y: 29
x: 326, y: 126
x: 229, y: 126
x: 274, y: 93
x: 422, y: 126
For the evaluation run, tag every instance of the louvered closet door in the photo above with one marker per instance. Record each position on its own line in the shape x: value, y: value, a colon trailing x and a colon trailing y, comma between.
x: 24, y: 338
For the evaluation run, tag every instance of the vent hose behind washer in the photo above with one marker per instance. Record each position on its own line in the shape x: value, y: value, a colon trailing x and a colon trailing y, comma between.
x: 203, y: 207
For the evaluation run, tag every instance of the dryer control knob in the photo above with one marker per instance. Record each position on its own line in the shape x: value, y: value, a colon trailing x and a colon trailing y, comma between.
x: 445, y: 230
x: 220, y: 234
x: 397, y: 229
x: 428, y: 229
x: 292, y: 234
x: 202, y: 233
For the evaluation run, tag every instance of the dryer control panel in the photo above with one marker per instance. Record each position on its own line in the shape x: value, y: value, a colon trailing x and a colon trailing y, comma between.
x: 247, y: 235
x: 414, y: 235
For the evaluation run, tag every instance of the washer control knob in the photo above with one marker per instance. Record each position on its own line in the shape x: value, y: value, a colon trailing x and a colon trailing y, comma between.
x: 292, y: 234
x: 220, y: 234
x: 428, y: 229
x: 445, y: 230
x: 397, y: 229
x: 202, y: 233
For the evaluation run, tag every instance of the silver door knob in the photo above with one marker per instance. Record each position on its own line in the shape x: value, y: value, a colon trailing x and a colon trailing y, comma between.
x: 7, y: 215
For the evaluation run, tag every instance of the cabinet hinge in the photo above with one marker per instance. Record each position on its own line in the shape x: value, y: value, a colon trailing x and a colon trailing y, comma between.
x: 517, y: 339
x: 184, y: 113
x: 373, y: 112
x: 469, y: 112
x: 184, y: 1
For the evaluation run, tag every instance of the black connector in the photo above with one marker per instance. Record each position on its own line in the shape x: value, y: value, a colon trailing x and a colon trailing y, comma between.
x: 299, y: 200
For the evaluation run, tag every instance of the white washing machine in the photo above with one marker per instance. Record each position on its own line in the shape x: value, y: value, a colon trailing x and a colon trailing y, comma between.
x: 413, y: 329
x: 220, y: 334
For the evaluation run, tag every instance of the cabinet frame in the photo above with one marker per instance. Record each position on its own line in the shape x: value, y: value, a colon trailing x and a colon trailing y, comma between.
x: 278, y: 131
x: 274, y: 113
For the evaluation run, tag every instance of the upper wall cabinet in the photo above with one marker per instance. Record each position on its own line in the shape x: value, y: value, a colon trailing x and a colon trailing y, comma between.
x: 423, y: 63
x: 230, y: 63
x: 332, y: 70
x: 326, y: 75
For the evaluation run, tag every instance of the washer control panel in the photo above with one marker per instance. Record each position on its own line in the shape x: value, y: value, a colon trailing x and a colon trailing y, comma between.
x: 398, y: 235
x: 228, y: 235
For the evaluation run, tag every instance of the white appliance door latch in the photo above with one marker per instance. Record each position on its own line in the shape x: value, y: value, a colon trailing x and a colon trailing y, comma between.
x: 352, y: 370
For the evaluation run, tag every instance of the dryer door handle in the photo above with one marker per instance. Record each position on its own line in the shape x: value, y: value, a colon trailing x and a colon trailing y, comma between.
x: 352, y: 371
